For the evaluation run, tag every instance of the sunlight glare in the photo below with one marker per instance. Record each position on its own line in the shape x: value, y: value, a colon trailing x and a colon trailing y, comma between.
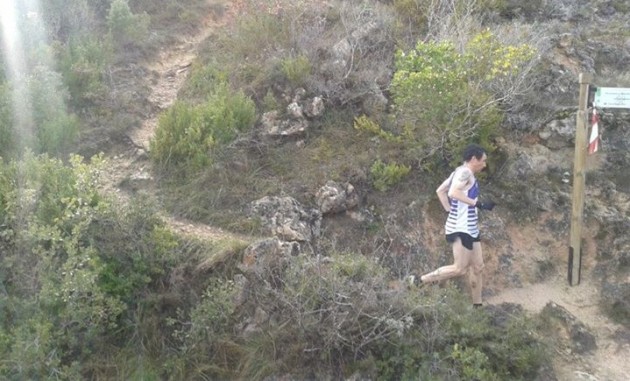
x: 16, y: 72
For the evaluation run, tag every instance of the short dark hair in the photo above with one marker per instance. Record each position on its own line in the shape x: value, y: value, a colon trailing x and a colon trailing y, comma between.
x: 473, y: 150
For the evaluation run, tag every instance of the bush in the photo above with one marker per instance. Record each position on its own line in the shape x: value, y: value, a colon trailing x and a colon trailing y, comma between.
x: 56, y: 129
x: 187, y: 134
x: 68, y: 19
x: 456, y: 90
x: 125, y: 27
x: 202, y: 83
x: 7, y: 135
x: 452, y: 341
x: 296, y: 70
x: 330, y: 314
x: 82, y: 64
x: 384, y: 176
x: 364, y: 123
x: 78, y: 273
x: 40, y: 122
x: 54, y: 269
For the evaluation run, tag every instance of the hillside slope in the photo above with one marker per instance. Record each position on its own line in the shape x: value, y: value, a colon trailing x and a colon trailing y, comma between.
x: 525, y: 260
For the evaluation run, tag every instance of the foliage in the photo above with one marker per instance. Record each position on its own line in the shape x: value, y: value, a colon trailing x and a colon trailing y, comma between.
x: 72, y: 267
x: 33, y: 112
x: 181, y: 139
x: 364, y: 123
x: 452, y: 341
x: 269, y: 102
x: 296, y: 70
x: 205, y: 335
x: 55, y: 128
x: 341, y: 315
x: 83, y: 62
x: 187, y: 134
x: 53, y: 270
x: 202, y: 83
x: 125, y: 27
x: 384, y: 176
x: 446, y: 19
x: 7, y: 134
x: 70, y: 19
x: 454, y: 91
x: 328, y: 314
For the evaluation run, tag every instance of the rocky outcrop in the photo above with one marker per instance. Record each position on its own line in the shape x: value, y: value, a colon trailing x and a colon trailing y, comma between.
x: 336, y: 198
x: 580, y: 339
x: 616, y: 300
x: 286, y: 218
x: 295, y: 121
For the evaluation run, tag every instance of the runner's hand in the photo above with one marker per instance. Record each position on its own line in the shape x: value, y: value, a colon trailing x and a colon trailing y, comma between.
x: 485, y: 205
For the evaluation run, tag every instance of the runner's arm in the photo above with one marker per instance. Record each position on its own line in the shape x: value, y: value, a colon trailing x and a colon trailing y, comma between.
x: 442, y: 191
x: 460, y: 185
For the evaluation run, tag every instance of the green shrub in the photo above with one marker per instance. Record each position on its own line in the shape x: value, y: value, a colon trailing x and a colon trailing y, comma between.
x: 330, y: 314
x: 458, y: 92
x: 41, y: 121
x: 453, y: 341
x: 296, y: 70
x: 56, y: 129
x: 202, y: 83
x: 230, y: 114
x: 203, y: 336
x: 269, y: 102
x: 182, y: 138
x: 79, y: 273
x: 7, y: 134
x: 187, y: 134
x: 54, y: 269
x: 364, y: 123
x: 384, y: 176
x: 125, y: 27
x: 82, y: 63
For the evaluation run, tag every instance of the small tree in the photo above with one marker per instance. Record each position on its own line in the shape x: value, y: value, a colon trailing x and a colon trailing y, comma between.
x: 56, y: 129
x: 187, y: 134
x: 445, y: 97
x: 124, y: 26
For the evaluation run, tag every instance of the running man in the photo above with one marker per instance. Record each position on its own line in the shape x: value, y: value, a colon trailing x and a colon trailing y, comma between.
x: 459, y: 195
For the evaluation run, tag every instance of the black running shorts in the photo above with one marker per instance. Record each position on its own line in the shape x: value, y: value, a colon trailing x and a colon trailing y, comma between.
x: 467, y: 239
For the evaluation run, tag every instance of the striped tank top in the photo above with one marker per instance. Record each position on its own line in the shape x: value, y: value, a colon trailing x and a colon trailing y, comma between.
x: 462, y: 218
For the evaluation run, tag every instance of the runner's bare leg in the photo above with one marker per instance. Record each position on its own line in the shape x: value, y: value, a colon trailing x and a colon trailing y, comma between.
x: 461, y: 261
x: 475, y: 272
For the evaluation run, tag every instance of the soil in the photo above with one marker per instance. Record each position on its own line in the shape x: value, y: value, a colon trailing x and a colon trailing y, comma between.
x: 129, y: 172
x: 608, y: 362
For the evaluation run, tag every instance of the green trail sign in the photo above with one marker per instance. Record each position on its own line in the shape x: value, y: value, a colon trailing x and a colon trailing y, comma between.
x: 612, y: 97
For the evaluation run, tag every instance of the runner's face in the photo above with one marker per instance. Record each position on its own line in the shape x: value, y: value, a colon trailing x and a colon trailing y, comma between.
x: 477, y: 165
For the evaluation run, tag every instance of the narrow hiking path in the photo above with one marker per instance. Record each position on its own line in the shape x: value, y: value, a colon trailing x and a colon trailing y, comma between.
x: 128, y: 169
x: 609, y: 361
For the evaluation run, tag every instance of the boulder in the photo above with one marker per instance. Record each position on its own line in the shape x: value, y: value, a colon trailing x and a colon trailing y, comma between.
x: 286, y: 218
x: 336, y: 198
x: 581, y: 340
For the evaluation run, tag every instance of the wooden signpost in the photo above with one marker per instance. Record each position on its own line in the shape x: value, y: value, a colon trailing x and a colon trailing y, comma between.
x: 579, y: 179
x: 604, y: 97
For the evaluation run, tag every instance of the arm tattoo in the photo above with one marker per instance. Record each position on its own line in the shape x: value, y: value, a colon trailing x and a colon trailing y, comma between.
x: 464, y: 176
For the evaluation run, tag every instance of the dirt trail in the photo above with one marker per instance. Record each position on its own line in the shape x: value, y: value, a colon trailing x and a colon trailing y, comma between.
x: 609, y: 362
x: 128, y: 169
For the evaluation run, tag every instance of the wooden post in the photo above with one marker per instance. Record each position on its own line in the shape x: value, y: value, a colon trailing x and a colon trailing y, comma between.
x: 579, y: 179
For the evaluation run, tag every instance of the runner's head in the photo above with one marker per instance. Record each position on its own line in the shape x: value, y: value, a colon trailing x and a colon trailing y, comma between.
x: 475, y: 157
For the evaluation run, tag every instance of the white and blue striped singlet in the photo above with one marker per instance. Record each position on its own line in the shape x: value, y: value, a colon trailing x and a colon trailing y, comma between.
x: 462, y: 218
